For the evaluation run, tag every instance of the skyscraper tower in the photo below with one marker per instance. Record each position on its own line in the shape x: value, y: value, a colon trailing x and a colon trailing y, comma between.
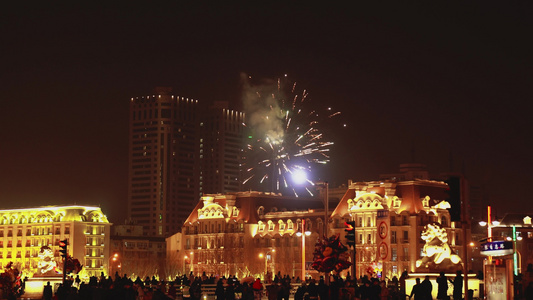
x: 163, y: 181
x: 221, y: 149
x: 177, y: 152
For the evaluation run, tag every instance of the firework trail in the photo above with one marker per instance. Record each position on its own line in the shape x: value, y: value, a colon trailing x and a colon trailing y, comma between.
x: 285, y: 138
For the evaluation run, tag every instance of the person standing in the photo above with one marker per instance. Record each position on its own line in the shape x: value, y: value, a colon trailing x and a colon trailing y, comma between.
x: 427, y: 288
x: 458, y: 286
x: 258, y: 289
x: 442, y: 287
x: 384, y: 294
x: 47, y: 291
x: 219, y: 291
x: 403, y: 293
x: 417, y: 291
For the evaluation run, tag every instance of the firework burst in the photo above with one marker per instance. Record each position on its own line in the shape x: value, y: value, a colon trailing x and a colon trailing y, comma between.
x: 286, y: 142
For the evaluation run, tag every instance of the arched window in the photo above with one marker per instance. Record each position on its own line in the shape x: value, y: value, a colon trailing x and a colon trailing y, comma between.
x: 281, y: 225
x: 270, y: 226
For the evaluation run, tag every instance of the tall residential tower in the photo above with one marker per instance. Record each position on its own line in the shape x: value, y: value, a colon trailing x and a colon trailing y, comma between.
x: 221, y: 149
x: 177, y: 150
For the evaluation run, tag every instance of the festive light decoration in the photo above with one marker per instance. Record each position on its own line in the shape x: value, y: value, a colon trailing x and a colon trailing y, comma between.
x: 330, y: 255
x: 10, y: 282
x: 437, y: 254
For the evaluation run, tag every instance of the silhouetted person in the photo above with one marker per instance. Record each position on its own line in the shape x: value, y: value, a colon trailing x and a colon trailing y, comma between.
x: 529, y: 291
x: 442, y: 287
x: 323, y: 289
x: 300, y: 292
x: 47, y: 291
x: 427, y: 289
x: 403, y: 277
x: 312, y: 289
x: 458, y: 286
x: 417, y: 291
x: 230, y: 292
x: 219, y: 291
x: 375, y: 290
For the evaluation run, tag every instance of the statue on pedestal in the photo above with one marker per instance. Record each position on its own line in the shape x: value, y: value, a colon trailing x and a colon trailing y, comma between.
x: 437, y: 255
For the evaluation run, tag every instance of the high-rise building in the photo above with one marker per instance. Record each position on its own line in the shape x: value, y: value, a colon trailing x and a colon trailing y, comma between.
x: 163, y: 181
x: 177, y: 150
x: 221, y: 148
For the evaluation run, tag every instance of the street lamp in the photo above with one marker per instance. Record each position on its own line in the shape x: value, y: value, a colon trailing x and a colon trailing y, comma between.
x: 299, y: 177
x: 191, y: 260
x: 112, y: 259
x: 303, y: 233
x: 489, y: 224
x: 266, y: 256
x: 184, y: 263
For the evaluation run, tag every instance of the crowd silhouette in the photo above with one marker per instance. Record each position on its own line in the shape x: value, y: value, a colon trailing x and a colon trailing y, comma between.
x: 280, y: 287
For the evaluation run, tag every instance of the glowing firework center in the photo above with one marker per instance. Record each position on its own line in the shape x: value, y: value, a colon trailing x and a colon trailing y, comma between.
x: 285, y: 140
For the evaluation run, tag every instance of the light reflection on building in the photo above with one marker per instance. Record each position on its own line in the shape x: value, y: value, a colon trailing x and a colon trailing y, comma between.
x: 24, y: 231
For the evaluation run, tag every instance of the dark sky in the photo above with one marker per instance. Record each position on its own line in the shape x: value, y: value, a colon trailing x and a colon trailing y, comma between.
x: 447, y: 80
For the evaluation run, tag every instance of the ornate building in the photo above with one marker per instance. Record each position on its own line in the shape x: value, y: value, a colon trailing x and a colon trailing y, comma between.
x: 250, y: 233
x: 24, y: 231
x: 390, y: 216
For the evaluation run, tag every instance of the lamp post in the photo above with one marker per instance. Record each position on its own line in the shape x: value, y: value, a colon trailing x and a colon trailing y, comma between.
x: 184, y: 263
x: 191, y: 261
x: 112, y: 260
x: 303, y: 233
x: 267, y: 254
x: 299, y: 177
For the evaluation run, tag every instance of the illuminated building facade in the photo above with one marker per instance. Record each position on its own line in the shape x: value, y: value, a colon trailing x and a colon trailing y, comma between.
x: 249, y: 233
x: 394, y: 219
x: 177, y: 151
x: 391, y: 215
x: 133, y: 253
x: 24, y: 231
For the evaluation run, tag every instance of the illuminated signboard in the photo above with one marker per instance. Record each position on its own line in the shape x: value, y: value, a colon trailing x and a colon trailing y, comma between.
x: 498, y: 248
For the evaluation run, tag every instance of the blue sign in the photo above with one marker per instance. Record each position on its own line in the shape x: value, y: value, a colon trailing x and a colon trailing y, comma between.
x: 497, y: 248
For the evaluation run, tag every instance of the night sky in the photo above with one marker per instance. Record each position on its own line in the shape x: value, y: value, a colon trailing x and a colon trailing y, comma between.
x: 447, y: 85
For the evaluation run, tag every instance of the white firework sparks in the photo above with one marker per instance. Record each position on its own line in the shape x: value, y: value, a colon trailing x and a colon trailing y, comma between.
x: 285, y: 138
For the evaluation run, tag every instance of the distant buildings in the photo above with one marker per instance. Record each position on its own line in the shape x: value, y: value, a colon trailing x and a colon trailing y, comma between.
x: 24, y: 231
x: 134, y: 254
x: 227, y: 233
x: 177, y: 151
